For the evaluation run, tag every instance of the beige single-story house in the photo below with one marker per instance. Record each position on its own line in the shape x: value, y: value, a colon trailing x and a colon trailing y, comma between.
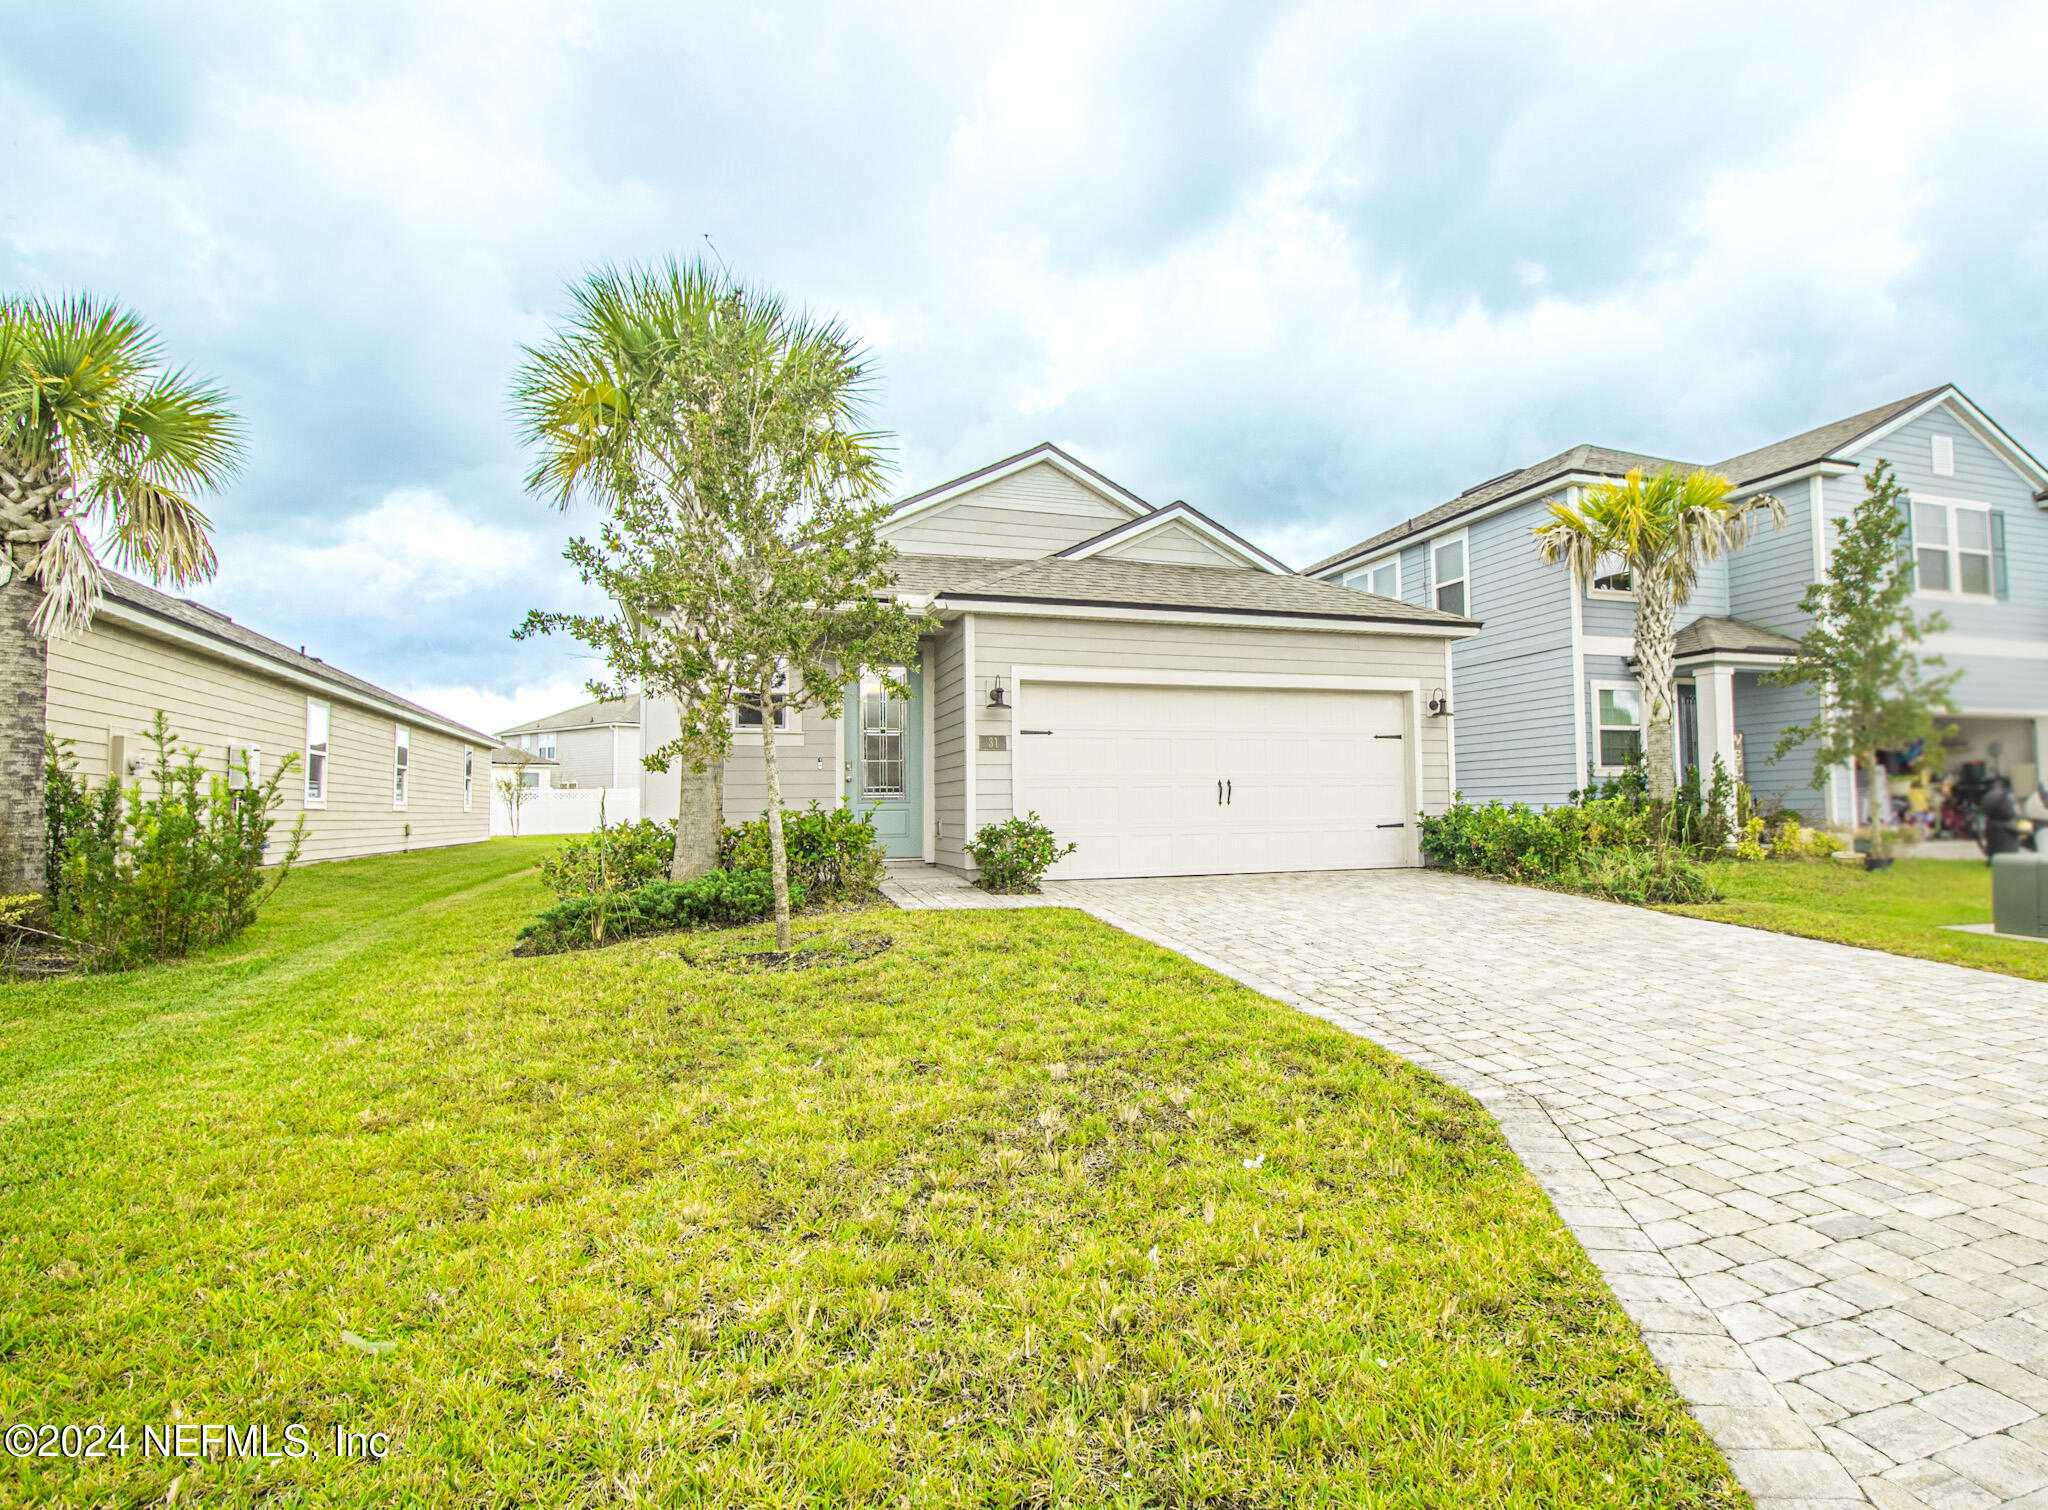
x: 375, y: 772
x: 1156, y: 688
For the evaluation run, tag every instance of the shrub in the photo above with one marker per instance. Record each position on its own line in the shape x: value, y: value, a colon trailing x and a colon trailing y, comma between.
x: 1613, y: 845
x: 1646, y: 878
x: 717, y: 899
x: 833, y: 853
x: 1015, y: 855
x: 617, y: 858
x: 147, y: 878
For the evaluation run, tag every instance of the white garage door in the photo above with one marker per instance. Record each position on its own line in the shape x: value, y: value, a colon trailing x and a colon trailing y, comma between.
x: 1186, y: 781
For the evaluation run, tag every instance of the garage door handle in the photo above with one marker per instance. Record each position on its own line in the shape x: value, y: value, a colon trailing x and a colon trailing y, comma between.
x: 1229, y: 792
x: 1219, y: 794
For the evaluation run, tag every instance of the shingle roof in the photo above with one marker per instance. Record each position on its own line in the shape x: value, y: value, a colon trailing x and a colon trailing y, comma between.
x: 1816, y: 445
x: 1159, y: 518
x: 1111, y: 583
x: 617, y: 710
x: 1598, y: 461
x: 1734, y: 636
x: 216, y: 625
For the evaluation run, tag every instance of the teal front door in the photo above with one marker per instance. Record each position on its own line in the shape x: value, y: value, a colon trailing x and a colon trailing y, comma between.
x: 885, y: 758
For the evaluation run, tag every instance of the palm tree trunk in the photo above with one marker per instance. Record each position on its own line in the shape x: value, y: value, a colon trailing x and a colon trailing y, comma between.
x: 778, y: 858
x: 1654, y: 615
x: 24, y: 725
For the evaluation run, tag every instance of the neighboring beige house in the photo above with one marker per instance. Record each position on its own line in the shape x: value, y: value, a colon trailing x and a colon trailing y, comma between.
x: 591, y: 745
x: 370, y: 764
x: 1156, y: 688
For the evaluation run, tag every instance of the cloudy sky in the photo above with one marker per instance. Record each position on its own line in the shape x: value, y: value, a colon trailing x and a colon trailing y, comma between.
x: 1310, y: 267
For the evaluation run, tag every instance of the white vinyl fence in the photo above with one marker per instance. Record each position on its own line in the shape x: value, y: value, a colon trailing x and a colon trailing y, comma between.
x: 569, y: 810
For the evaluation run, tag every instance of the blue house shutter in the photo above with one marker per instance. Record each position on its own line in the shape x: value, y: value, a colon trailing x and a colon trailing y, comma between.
x: 1999, y: 582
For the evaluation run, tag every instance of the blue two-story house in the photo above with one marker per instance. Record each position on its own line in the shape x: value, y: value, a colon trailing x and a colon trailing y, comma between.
x: 1546, y: 691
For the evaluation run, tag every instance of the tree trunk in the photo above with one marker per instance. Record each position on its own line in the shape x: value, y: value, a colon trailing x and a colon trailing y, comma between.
x: 700, y: 815
x: 778, y: 860
x: 1654, y: 614
x: 24, y: 725
x: 1855, y: 803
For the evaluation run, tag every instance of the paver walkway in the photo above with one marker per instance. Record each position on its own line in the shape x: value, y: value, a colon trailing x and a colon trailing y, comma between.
x: 1816, y: 1176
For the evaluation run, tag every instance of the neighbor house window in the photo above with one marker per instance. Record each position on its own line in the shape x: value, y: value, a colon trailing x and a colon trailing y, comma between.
x: 1621, y: 726
x: 468, y: 775
x: 1952, y: 548
x: 316, y: 753
x: 882, y: 724
x: 1382, y: 577
x: 1611, y: 574
x: 401, y: 758
x: 746, y: 713
x: 544, y: 744
x: 1447, y: 564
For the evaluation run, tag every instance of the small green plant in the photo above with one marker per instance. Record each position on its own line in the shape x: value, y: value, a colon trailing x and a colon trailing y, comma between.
x: 624, y: 855
x: 1015, y: 855
x: 141, y: 878
x: 833, y: 852
x: 1750, y: 846
x: 716, y: 899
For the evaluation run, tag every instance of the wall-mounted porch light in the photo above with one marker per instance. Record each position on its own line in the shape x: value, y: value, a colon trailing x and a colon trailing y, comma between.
x: 1439, y: 704
x: 998, y: 694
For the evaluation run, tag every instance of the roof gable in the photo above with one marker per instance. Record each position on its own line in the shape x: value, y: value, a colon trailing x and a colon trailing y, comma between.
x: 1122, y: 499
x: 1177, y: 535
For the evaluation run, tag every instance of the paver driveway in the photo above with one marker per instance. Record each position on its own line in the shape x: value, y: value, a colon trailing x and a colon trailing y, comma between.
x: 1816, y: 1176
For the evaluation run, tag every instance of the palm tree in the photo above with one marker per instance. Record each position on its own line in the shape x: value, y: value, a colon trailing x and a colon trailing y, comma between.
x: 607, y: 403
x: 102, y: 449
x: 1661, y: 530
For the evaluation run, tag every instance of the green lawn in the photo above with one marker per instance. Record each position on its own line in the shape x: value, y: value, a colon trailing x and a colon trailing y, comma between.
x: 967, y: 1222
x: 1903, y: 910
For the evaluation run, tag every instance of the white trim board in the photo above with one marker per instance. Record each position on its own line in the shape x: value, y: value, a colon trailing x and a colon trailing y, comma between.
x: 1623, y: 645
x: 1989, y: 646
x: 1141, y: 676
x: 1025, y: 608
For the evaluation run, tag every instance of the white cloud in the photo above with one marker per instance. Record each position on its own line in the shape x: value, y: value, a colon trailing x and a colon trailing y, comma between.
x: 487, y: 710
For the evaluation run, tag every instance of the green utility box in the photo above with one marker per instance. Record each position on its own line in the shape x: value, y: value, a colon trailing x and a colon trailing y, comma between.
x: 2019, y: 894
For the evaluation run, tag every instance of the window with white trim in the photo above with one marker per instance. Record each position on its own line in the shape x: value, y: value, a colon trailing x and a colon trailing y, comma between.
x: 544, y: 744
x: 401, y: 761
x: 746, y: 711
x: 468, y: 776
x: 1618, y: 712
x: 1382, y: 577
x: 317, y: 720
x: 1448, y: 572
x: 1952, y: 549
x: 1611, y: 575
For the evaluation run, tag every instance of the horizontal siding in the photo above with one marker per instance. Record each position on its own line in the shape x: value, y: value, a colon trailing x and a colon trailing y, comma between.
x: 1002, y: 644
x: 1415, y: 575
x: 949, y: 768
x: 1514, y: 727
x: 1999, y: 684
x: 1608, y: 616
x: 1981, y: 476
x: 586, y: 757
x: 1763, y: 711
x: 804, y: 764
x: 111, y: 681
x: 1709, y: 594
x: 1027, y: 514
x: 1768, y: 577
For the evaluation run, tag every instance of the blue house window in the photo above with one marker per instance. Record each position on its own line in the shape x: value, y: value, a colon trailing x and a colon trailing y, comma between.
x: 1621, y: 726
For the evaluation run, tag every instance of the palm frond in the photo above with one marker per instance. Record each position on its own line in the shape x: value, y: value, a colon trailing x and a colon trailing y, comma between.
x: 72, y: 582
